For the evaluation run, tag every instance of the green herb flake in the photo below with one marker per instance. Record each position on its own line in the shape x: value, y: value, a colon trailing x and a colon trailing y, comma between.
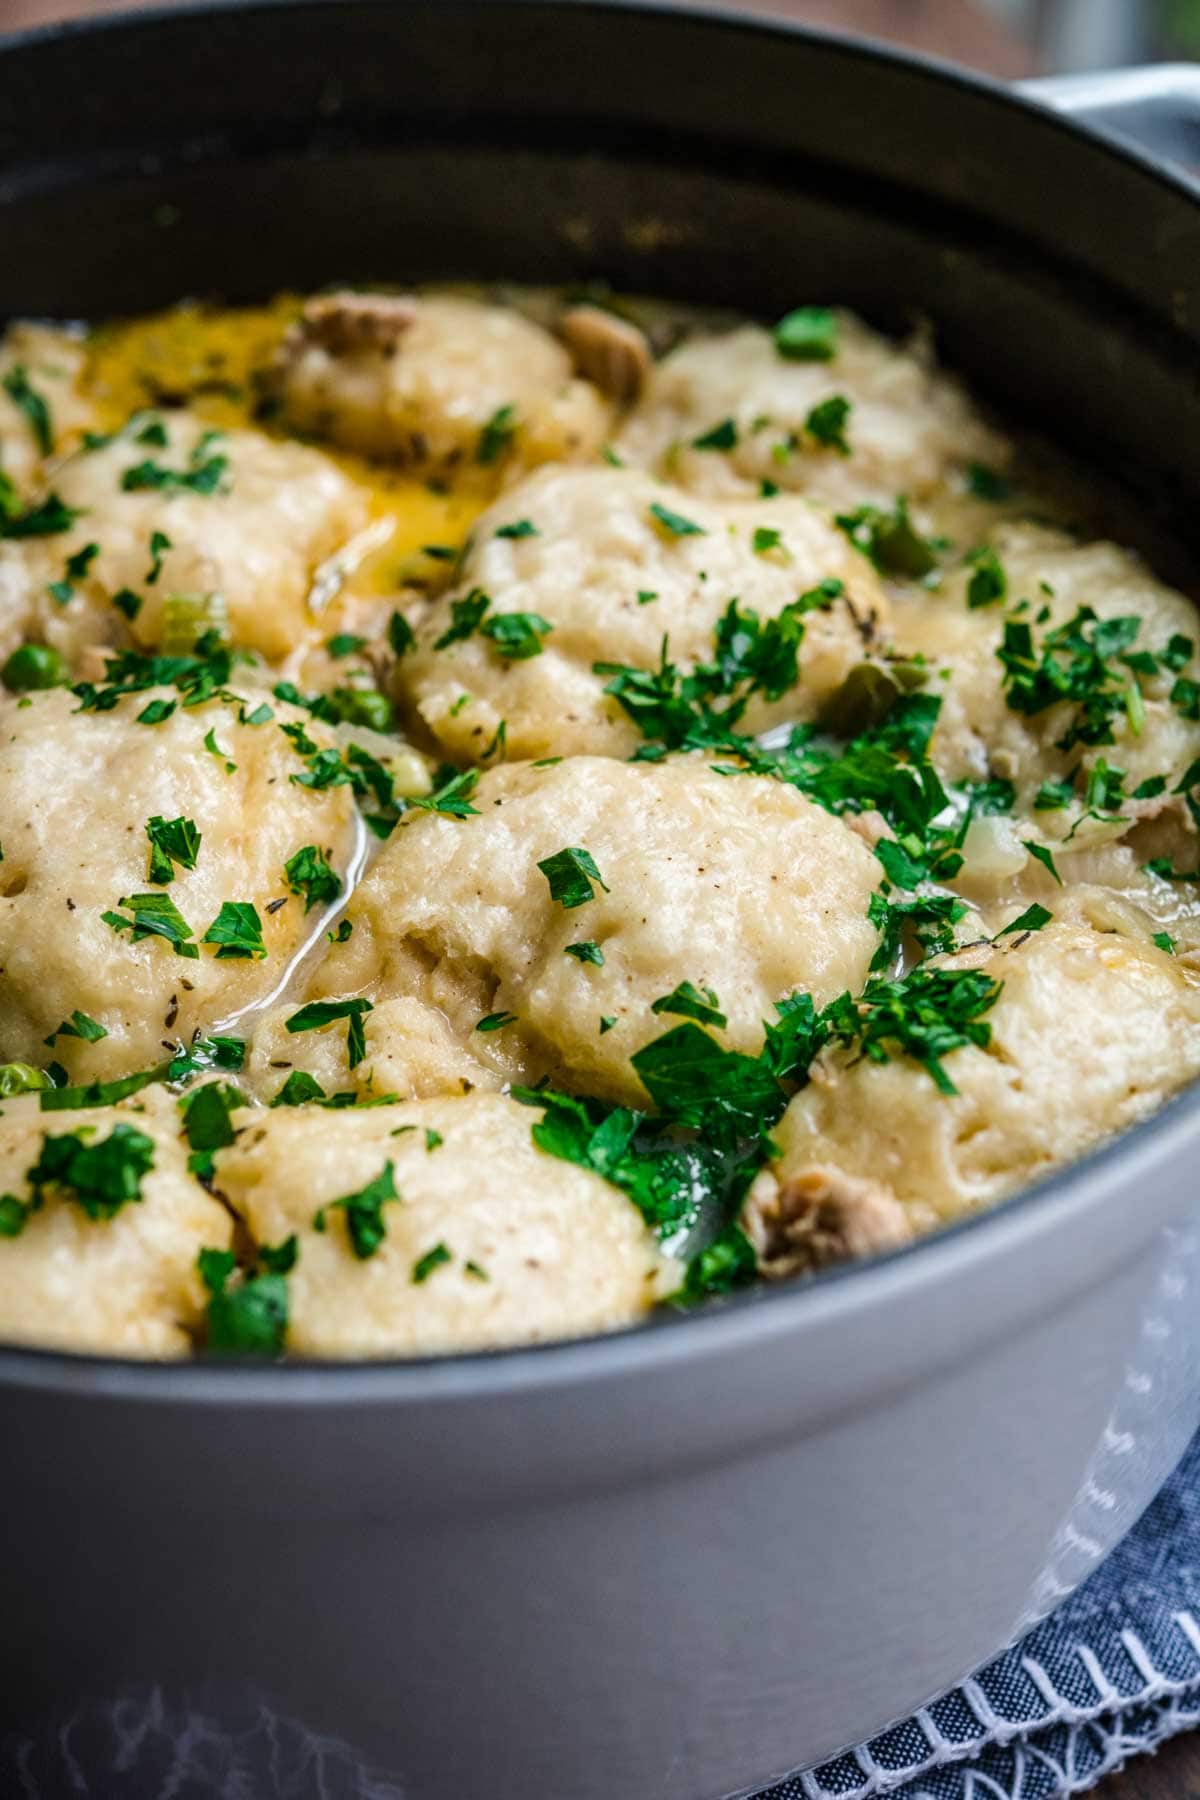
x: 400, y: 634
x: 160, y: 543
x: 809, y: 334
x: 237, y: 931
x: 765, y: 540
x: 250, y: 1318
x: 690, y: 1002
x: 214, y: 749
x: 172, y: 842
x: 319, y: 1013
x: 425, y: 1265
x: 100, y: 1177
x: 79, y: 1025
x: 722, y: 437
x: 496, y: 1021
x: 587, y: 951
x: 308, y: 873
x: 517, y: 635
x: 1165, y: 941
x: 496, y: 438
x: 364, y: 1213
x: 827, y: 422
x: 1040, y: 854
x: 27, y: 399
x: 298, y: 1089
x: 984, y: 483
x: 1032, y: 919
x: 49, y: 517
x: 154, y: 915
x: 988, y: 582
x: 466, y: 616
x: 519, y: 528
x: 433, y: 1140
x: 674, y: 523
x: 571, y: 874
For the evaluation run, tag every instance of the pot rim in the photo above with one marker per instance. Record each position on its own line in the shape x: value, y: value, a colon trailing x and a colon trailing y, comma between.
x: 758, y: 1313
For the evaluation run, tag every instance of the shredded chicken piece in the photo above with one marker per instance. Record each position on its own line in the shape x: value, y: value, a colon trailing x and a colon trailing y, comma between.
x: 343, y: 323
x: 870, y: 826
x: 607, y: 351
x: 818, y: 1217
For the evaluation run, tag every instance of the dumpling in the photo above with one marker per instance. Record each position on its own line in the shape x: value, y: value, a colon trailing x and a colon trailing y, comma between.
x: 174, y: 510
x: 107, y: 1263
x: 910, y: 429
x: 440, y: 383
x: 41, y: 407
x: 586, y: 566
x: 77, y: 793
x: 1092, y: 1031
x: 486, y: 1241
x: 735, y: 883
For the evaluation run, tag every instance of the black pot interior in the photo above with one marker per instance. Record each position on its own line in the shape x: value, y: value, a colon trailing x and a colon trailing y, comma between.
x: 232, y: 152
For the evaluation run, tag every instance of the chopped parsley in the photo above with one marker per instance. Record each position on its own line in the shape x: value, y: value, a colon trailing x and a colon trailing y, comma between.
x: 930, y: 917
x: 100, y: 1178
x: 722, y: 437
x: 299, y: 1087
x: 79, y: 1025
x: 809, y: 334
x: 1075, y: 663
x: 237, y: 931
x: 37, y: 413
x: 1165, y: 941
x: 154, y: 915
x: 32, y: 668
x: 203, y: 473
x: 160, y: 543
x: 425, y: 1265
x: 988, y: 582
x: 587, y: 951
x: 765, y: 540
x: 172, y: 842
x: 364, y: 1213
x: 319, y: 1013
x: 250, y: 1318
x: 690, y: 1002
x: 400, y: 634
x: 344, y: 643
x: 674, y: 523
x: 1032, y: 919
x: 496, y: 1021
x: 890, y: 540
x: 46, y: 519
x: 517, y: 635
x: 519, y: 528
x: 309, y: 873
x: 1040, y: 854
x: 496, y: 438
x: 827, y: 421
x: 571, y: 874
x: 466, y: 616
x: 925, y: 1015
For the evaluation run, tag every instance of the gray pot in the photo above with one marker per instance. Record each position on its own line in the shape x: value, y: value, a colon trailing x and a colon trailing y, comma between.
x: 674, y: 1563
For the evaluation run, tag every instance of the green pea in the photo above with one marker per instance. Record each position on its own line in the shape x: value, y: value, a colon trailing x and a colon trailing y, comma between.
x: 32, y: 666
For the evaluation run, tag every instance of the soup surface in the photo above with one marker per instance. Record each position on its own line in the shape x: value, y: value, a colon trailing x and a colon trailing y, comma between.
x: 517, y: 811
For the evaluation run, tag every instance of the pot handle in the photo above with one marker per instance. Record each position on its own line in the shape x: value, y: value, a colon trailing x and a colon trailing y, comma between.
x: 1157, y: 109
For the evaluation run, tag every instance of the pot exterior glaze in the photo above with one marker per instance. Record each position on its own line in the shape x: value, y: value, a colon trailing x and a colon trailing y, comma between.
x: 672, y: 1564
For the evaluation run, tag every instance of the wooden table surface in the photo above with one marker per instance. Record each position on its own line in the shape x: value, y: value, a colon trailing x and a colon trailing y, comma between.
x: 954, y: 29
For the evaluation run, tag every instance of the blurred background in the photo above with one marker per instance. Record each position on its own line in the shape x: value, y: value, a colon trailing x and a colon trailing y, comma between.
x: 1002, y: 37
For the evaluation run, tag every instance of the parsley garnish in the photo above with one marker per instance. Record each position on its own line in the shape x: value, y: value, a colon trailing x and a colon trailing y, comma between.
x: 809, y: 334
x: 1032, y: 919
x: 364, y: 1213
x: 172, y: 841
x: 1040, y: 854
x: 925, y: 1015
x: 160, y: 543
x: 299, y: 1087
x: 309, y: 873
x: 251, y: 1318
x: 237, y: 929
x: 722, y: 437
x: 890, y: 540
x: 674, y: 522
x: 46, y: 519
x: 497, y: 435
x: 496, y: 1021
x: 425, y: 1265
x: 31, y: 403
x: 1075, y: 663
x: 154, y: 915
x: 691, y: 1002
x: 319, y: 1013
x: 203, y: 474
x: 400, y: 634
x: 988, y: 581
x: 571, y: 873
x: 827, y: 423
x: 517, y: 635
x: 587, y: 951
x: 520, y: 528
x: 931, y: 918
x: 79, y: 1025
x: 100, y: 1177
x: 466, y: 616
